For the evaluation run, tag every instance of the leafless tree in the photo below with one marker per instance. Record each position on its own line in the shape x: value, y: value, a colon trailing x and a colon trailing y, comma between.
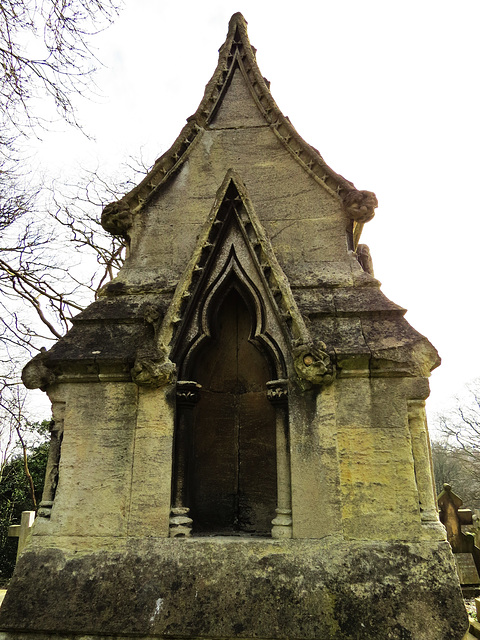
x: 45, y: 51
x: 46, y: 61
x: 457, y: 453
x: 55, y: 273
x: 451, y: 466
x: 461, y: 424
x: 16, y: 434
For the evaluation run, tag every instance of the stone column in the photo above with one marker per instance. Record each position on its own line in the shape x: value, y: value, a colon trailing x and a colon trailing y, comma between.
x: 53, y: 461
x: 187, y: 397
x: 277, y: 393
x: 417, y: 423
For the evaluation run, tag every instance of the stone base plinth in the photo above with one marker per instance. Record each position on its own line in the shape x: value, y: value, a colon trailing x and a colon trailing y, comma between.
x: 236, y: 588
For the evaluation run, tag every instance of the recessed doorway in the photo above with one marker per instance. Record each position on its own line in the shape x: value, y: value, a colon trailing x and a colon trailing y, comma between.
x: 232, y: 479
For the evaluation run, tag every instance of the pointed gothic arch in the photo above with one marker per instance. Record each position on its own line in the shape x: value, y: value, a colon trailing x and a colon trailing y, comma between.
x: 231, y: 460
x: 233, y: 276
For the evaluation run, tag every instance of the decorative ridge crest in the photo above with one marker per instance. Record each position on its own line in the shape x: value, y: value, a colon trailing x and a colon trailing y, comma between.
x: 238, y: 52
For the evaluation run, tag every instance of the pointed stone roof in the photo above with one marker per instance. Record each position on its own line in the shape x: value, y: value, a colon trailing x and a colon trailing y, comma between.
x: 238, y: 53
x: 309, y: 278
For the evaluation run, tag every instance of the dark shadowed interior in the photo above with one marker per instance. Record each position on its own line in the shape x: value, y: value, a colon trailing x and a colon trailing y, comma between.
x: 233, y: 479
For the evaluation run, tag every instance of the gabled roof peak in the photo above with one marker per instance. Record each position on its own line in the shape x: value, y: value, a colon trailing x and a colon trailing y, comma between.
x: 236, y: 20
x: 238, y: 53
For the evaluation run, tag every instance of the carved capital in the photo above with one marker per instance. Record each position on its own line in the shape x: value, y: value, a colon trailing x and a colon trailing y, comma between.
x: 188, y: 392
x: 117, y: 218
x: 36, y: 375
x: 313, y: 366
x: 360, y: 205
x: 277, y: 392
x: 153, y: 369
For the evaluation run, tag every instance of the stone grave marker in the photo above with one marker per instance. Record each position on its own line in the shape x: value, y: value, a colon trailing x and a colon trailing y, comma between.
x: 466, y: 554
x: 22, y: 530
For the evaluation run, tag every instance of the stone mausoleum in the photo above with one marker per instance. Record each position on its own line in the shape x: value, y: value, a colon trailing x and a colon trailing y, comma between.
x: 240, y: 447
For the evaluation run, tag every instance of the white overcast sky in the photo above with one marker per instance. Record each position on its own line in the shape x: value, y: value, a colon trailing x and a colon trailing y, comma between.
x: 387, y: 91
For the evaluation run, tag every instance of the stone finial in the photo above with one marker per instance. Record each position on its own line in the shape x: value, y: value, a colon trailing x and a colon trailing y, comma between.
x: 36, y: 375
x: 152, y: 368
x: 365, y: 259
x: 117, y: 218
x: 312, y: 365
x: 360, y: 205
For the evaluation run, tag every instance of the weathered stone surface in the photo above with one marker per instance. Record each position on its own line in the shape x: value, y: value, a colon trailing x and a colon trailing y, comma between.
x: 323, y: 590
x: 117, y: 218
x: 360, y: 205
x: 36, y: 375
x: 153, y: 368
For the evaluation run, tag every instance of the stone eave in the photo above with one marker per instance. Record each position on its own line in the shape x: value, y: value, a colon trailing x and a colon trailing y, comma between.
x: 237, y: 52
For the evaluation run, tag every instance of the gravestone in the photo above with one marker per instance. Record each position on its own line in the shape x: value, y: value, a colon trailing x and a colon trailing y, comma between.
x: 22, y: 530
x: 240, y: 442
x: 466, y: 553
x: 466, y: 569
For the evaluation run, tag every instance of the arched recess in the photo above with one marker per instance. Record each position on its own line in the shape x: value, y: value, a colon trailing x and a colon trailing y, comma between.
x: 233, y: 484
x: 232, y: 469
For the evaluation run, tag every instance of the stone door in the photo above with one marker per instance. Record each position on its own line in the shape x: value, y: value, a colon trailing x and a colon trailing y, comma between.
x: 233, y: 453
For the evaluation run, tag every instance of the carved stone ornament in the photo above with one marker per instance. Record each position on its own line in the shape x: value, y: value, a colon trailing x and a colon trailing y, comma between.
x: 277, y: 392
x: 36, y: 375
x: 188, y: 392
x: 360, y: 205
x: 312, y: 366
x: 117, y: 218
x: 152, y: 368
x: 151, y: 313
x: 365, y: 259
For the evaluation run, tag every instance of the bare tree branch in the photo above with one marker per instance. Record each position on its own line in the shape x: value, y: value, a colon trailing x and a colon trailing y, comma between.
x: 459, y: 447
